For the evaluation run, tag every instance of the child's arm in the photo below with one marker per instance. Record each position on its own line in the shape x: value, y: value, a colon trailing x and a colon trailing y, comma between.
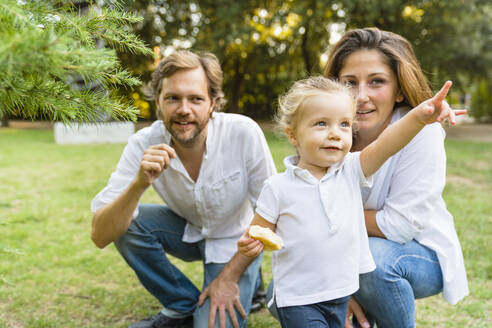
x: 399, y: 134
x: 249, y: 246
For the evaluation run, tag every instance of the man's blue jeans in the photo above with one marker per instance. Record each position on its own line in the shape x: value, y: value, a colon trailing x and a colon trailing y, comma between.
x: 403, y: 273
x: 158, y: 231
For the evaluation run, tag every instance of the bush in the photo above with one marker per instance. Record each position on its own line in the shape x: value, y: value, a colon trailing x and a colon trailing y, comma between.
x: 481, y: 101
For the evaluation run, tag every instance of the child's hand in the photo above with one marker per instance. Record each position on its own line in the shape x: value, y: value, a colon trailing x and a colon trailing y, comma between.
x: 248, y: 246
x: 436, y: 108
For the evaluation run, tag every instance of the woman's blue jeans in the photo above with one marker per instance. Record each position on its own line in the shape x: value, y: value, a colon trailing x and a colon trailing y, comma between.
x: 403, y: 273
x: 158, y: 231
x: 387, y: 294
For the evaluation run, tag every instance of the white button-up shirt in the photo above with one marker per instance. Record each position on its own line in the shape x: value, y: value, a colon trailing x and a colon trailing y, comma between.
x: 407, y: 194
x: 218, y: 207
x: 322, y: 225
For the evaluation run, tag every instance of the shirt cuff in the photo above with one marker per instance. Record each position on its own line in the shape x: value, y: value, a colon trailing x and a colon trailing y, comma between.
x: 270, y: 218
x: 400, y: 231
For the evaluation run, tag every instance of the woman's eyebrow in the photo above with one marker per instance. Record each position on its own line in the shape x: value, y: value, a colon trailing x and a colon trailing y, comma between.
x: 371, y: 74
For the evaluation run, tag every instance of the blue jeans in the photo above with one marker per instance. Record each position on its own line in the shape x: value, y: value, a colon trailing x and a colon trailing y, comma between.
x: 324, y: 314
x: 403, y: 273
x: 158, y: 231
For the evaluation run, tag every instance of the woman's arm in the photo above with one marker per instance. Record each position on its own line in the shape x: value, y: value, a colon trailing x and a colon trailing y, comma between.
x: 371, y: 224
x: 411, y: 194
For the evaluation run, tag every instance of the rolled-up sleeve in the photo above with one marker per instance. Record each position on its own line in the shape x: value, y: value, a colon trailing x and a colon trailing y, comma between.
x: 259, y: 163
x: 120, y: 179
x: 416, y: 186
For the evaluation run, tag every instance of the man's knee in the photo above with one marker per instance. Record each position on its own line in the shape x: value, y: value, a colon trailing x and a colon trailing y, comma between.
x: 201, y: 316
x: 133, y: 240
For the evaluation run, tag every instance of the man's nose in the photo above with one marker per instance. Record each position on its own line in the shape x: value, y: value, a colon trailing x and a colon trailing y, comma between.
x: 184, y: 106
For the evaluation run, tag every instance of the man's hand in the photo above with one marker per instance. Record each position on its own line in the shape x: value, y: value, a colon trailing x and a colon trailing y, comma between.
x: 155, y: 160
x: 224, y: 296
x: 354, y: 309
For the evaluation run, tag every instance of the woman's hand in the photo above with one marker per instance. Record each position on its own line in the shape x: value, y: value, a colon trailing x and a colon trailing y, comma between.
x: 354, y: 309
x: 437, y: 109
x: 248, y: 246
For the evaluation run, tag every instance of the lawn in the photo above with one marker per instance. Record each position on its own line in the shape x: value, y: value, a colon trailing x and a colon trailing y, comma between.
x: 51, y: 275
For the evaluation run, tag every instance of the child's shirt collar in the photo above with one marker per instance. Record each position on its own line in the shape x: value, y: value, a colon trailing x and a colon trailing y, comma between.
x: 291, y: 162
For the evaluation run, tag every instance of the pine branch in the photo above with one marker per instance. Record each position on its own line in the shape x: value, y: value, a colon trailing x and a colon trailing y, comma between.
x: 44, y: 51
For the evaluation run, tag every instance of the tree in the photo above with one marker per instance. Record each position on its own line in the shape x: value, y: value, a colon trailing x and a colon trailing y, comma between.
x: 47, y: 45
x: 450, y: 37
x: 263, y: 46
x: 481, y: 104
x: 266, y: 45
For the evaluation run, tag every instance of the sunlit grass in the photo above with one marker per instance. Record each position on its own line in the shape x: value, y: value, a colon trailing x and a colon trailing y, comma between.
x: 51, y: 274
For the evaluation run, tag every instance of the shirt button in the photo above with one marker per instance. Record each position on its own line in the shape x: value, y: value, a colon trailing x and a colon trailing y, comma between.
x: 333, y: 229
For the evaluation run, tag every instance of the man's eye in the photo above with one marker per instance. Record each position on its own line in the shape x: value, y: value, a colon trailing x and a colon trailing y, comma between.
x: 197, y: 99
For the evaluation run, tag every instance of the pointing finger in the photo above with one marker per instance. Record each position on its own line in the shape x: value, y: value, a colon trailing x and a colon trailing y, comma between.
x: 459, y: 112
x: 441, y: 94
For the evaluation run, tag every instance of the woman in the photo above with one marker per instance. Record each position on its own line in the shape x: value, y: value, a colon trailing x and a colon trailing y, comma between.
x: 412, y: 236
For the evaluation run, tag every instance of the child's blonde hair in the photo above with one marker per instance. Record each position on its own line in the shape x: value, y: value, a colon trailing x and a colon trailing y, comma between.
x: 290, y: 104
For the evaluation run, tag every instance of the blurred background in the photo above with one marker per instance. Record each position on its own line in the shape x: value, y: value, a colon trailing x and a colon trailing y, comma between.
x: 266, y: 45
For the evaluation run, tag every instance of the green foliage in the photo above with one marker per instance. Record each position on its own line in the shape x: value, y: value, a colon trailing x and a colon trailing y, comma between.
x: 266, y: 45
x: 481, y: 100
x: 48, y: 45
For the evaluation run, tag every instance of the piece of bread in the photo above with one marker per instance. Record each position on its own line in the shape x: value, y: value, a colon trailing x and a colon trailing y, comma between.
x: 270, y: 240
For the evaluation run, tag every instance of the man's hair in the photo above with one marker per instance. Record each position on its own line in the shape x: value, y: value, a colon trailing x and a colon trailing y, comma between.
x: 291, y: 104
x: 185, y: 59
x: 397, y: 52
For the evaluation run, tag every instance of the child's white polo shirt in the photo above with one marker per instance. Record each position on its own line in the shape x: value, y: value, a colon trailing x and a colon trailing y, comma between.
x: 322, y: 225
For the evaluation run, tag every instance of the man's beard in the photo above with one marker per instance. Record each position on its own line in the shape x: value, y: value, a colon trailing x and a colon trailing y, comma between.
x: 187, y: 138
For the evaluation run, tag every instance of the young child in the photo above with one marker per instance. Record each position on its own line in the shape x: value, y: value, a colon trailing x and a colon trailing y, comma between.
x: 315, y: 206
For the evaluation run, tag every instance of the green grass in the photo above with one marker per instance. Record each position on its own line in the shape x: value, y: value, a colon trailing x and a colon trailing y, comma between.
x: 51, y: 275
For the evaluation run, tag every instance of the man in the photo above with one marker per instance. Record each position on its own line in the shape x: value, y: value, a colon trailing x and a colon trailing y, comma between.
x: 208, y: 168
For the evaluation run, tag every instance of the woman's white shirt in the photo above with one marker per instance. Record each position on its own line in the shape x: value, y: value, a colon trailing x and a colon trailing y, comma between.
x: 407, y: 194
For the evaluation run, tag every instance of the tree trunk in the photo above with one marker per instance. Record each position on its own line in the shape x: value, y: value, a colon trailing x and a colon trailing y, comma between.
x: 5, y: 120
x: 237, y: 84
x: 305, y: 50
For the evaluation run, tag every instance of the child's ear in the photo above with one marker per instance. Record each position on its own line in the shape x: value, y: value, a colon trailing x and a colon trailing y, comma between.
x: 291, y: 135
